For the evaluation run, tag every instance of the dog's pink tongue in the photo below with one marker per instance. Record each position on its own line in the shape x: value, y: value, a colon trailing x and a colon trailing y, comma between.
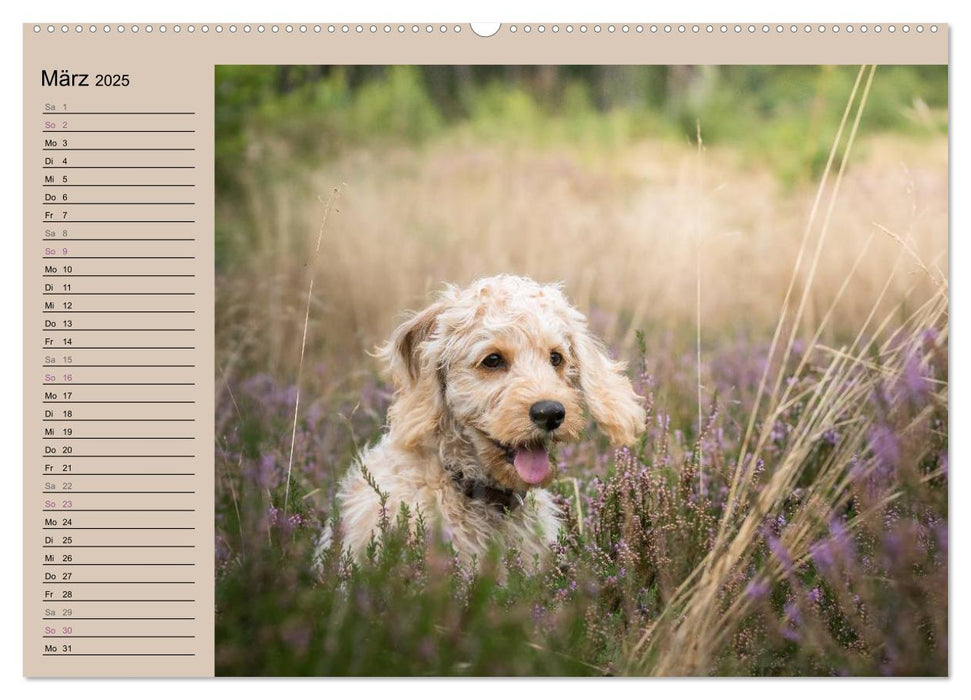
x: 532, y: 465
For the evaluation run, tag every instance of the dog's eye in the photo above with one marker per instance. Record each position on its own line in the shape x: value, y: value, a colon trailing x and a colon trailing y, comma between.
x: 556, y: 359
x: 493, y: 361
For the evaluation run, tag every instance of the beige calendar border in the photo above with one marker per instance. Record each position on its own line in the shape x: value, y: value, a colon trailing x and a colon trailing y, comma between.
x: 583, y: 43
x: 176, y: 69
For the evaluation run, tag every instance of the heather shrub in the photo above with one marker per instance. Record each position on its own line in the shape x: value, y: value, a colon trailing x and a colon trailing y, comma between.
x: 868, y: 595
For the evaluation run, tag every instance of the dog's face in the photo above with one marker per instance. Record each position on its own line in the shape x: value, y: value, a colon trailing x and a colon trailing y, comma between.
x: 511, y: 364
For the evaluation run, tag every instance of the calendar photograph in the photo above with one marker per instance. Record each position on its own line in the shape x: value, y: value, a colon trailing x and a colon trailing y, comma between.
x: 581, y: 370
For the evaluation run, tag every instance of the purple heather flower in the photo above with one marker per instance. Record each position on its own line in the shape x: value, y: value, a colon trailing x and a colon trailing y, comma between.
x: 857, y: 470
x: 757, y: 588
x: 290, y: 396
x: 792, y: 613
x: 263, y: 472
x: 779, y: 552
x: 886, y: 450
x: 822, y: 555
x: 837, y: 547
x: 759, y: 467
x: 538, y: 613
x: 793, y: 618
x: 913, y: 383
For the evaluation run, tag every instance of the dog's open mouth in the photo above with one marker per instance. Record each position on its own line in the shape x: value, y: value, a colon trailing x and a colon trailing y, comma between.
x: 531, y: 460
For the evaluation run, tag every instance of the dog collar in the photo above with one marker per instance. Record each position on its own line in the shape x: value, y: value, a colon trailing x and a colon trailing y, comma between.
x: 503, y: 500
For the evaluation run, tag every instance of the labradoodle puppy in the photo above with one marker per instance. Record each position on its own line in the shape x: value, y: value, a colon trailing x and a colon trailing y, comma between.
x: 488, y: 380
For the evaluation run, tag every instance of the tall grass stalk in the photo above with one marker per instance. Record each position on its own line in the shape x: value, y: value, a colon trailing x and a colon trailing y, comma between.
x: 780, y: 325
x: 690, y: 588
x: 312, y: 264
x: 698, y: 620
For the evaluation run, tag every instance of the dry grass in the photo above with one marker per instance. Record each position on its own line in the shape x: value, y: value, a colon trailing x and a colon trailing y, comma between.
x: 697, y: 622
x: 619, y: 230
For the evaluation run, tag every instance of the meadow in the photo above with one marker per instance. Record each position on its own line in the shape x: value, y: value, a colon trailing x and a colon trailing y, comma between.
x: 775, y: 277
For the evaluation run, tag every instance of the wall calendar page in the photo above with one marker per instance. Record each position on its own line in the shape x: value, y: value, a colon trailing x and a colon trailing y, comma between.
x: 396, y: 349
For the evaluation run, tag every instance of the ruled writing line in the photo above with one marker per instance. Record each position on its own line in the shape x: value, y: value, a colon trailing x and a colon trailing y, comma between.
x: 55, y: 112
x: 115, y: 366
x: 119, y: 167
x: 119, y: 221
x: 108, y: 204
x: 72, y: 238
x: 69, y: 654
x: 119, y: 546
x: 117, y: 131
x: 119, y: 420
x: 71, y: 492
x: 160, y: 148
x: 74, y: 527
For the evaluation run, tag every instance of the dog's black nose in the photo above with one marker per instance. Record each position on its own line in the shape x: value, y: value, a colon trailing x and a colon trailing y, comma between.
x: 547, y: 415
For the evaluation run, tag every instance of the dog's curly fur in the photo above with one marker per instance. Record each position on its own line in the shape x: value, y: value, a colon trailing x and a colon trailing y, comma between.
x: 456, y: 419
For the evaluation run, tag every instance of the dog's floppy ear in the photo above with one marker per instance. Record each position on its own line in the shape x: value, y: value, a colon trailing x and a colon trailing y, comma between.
x: 417, y: 408
x: 403, y: 351
x: 610, y: 398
